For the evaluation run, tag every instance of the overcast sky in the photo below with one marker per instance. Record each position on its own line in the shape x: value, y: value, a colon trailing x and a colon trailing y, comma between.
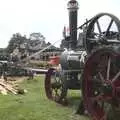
x: 46, y: 16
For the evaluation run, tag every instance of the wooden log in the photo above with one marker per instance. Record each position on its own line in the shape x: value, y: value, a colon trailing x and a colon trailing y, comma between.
x: 9, y: 88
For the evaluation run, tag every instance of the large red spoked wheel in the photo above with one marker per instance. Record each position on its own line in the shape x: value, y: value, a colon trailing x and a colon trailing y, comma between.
x: 101, y: 85
x: 54, y: 86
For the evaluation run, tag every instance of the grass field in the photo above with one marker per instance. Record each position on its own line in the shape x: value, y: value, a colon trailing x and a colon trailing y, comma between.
x: 35, y: 106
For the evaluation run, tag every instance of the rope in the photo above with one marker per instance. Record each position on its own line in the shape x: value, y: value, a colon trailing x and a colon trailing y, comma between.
x: 34, y: 54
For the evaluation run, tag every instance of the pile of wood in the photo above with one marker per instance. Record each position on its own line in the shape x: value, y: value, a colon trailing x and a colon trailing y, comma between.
x: 8, y: 87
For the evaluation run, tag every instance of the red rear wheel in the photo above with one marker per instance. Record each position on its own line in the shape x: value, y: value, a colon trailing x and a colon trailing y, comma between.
x: 101, y: 84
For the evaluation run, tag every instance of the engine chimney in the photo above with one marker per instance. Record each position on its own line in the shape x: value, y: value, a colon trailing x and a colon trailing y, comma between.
x: 72, y: 8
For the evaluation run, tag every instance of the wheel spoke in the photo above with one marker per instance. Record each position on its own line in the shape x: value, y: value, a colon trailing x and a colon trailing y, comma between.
x: 99, y: 28
x: 101, y: 77
x: 109, y: 26
x: 108, y: 68
x: 115, y: 77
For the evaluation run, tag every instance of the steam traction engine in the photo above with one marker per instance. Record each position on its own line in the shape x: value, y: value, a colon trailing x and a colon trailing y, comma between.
x: 93, y: 66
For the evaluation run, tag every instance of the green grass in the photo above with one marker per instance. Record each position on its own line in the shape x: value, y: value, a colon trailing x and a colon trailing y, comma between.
x: 35, y: 106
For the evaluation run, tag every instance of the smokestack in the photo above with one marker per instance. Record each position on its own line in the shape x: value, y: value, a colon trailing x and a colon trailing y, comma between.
x: 73, y: 8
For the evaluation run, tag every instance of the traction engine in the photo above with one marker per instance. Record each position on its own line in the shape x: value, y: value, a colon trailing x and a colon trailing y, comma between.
x: 91, y: 64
